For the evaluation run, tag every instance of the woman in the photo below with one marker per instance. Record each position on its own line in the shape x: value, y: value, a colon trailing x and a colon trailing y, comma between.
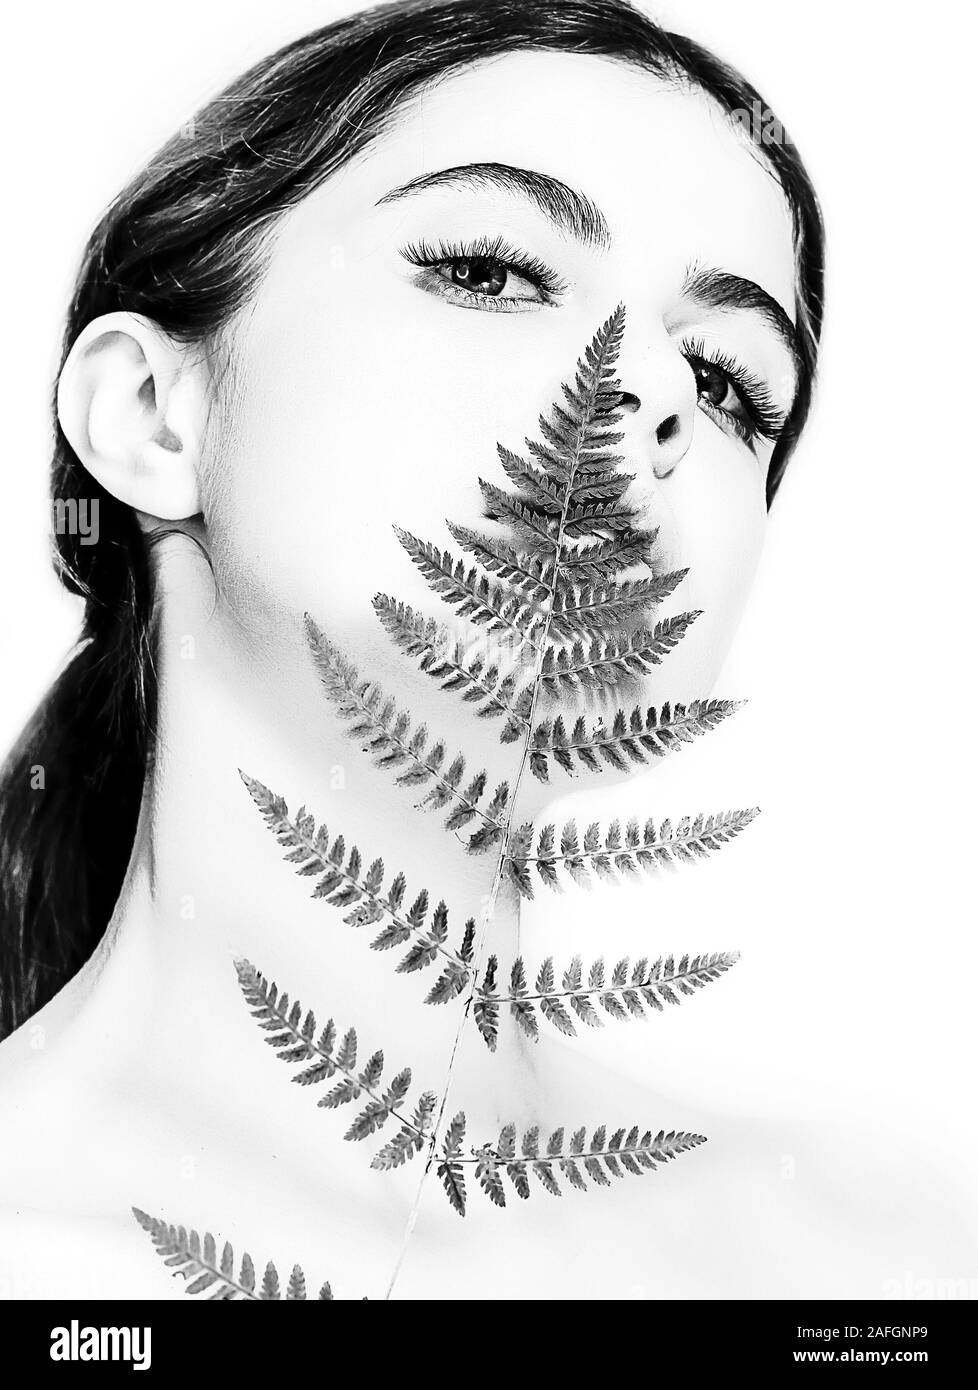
x: 308, y: 322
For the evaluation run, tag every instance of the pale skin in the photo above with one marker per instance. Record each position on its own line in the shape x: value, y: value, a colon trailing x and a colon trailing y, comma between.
x: 364, y: 399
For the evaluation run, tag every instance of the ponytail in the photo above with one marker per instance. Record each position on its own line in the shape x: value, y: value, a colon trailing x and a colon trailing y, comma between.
x: 71, y: 788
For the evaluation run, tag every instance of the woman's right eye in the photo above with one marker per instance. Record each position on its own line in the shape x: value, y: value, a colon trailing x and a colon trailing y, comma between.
x: 477, y: 280
x: 484, y: 277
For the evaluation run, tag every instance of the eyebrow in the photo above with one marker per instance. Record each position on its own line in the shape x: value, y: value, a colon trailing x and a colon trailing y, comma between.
x: 566, y: 208
x: 718, y: 289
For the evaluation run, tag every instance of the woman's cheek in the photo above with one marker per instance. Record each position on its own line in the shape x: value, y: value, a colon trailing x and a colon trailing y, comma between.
x: 719, y: 515
x: 332, y: 447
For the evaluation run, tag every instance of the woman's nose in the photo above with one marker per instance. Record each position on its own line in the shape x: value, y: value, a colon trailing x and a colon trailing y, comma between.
x: 665, y: 414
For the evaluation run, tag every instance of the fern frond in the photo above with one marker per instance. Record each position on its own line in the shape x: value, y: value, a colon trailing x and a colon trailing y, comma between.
x: 617, y: 853
x: 185, y: 1253
x: 471, y: 593
x: 344, y: 882
x: 390, y: 738
x: 295, y: 1040
x: 635, y: 738
x: 627, y: 993
x: 562, y: 598
x: 574, y: 1159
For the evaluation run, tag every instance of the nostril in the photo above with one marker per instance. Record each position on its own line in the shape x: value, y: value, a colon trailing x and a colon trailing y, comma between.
x: 668, y: 429
x: 630, y: 402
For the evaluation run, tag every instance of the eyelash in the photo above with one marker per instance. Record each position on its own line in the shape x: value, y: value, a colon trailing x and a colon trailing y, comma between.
x: 427, y: 257
x: 767, y: 419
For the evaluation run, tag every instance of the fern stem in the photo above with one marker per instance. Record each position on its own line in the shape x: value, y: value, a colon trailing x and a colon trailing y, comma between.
x: 658, y: 1152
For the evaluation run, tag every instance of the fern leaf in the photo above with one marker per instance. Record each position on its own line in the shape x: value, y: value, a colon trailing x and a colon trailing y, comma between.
x: 410, y: 1138
x: 519, y: 1007
x: 488, y: 1175
x: 608, y: 659
x: 295, y: 1041
x: 530, y: 573
x: 450, y: 1168
x: 344, y: 883
x: 270, y: 1289
x: 635, y: 738
x: 633, y: 990
x: 537, y: 527
x: 486, y: 1006
x: 605, y: 559
x: 621, y: 853
x: 606, y: 1157
x: 472, y: 593
x: 448, y: 662
x: 394, y: 743
x: 184, y: 1253
x: 605, y: 606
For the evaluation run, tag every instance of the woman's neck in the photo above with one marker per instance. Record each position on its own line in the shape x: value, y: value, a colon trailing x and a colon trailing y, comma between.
x: 159, y: 1010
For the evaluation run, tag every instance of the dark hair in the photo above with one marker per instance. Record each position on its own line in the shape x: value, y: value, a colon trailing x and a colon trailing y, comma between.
x: 181, y: 245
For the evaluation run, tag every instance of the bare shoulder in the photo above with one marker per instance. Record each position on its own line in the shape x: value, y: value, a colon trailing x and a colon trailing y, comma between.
x: 64, y: 1255
x: 59, y: 1237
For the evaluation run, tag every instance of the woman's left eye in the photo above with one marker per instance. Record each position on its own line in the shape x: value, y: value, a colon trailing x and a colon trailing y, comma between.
x: 714, y: 387
x: 739, y: 402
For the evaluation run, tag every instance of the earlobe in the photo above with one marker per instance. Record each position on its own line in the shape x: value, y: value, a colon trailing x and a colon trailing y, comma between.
x: 132, y: 404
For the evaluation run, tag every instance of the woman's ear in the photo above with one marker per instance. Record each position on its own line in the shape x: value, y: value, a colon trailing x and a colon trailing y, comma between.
x: 133, y: 404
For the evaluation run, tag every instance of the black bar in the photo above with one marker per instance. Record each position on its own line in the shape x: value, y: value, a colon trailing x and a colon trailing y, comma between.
x: 629, y: 1339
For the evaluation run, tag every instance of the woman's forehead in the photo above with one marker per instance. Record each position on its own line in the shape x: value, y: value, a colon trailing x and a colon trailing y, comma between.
x: 674, y: 178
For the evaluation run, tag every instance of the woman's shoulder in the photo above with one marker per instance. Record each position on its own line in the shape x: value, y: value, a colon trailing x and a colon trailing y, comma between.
x: 59, y: 1238
x: 65, y: 1255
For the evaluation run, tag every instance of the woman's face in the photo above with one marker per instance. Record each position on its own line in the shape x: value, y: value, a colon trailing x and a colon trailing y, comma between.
x: 401, y: 331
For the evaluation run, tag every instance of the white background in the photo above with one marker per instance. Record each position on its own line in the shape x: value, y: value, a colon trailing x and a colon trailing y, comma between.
x: 857, y: 649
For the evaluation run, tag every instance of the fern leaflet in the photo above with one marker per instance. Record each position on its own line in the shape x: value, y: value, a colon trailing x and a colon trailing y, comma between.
x: 627, y: 994
x: 327, y: 1056
x: 606, y: 1156
x: 648, y: 849
x: 197, y: 1260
